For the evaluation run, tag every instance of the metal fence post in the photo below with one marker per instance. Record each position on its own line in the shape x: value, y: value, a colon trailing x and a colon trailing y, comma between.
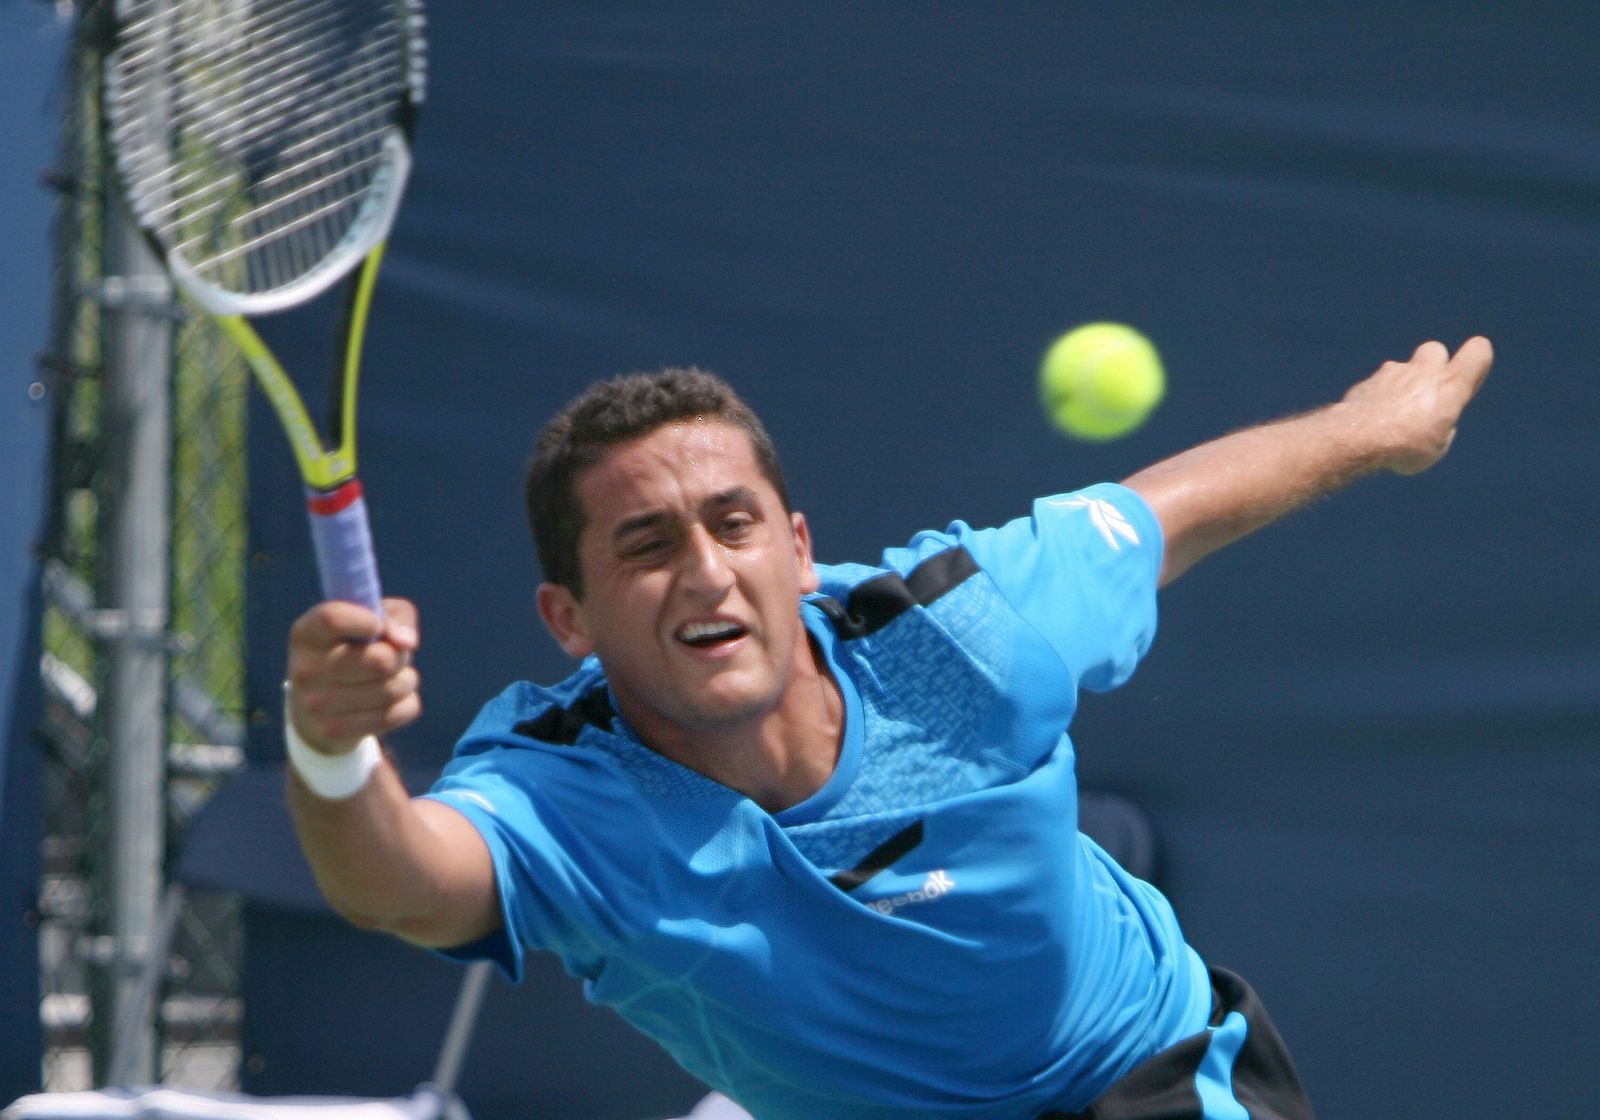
x: 138, y: 426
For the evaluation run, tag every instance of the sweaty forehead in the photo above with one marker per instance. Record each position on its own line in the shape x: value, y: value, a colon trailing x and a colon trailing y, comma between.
x: 678, y: 466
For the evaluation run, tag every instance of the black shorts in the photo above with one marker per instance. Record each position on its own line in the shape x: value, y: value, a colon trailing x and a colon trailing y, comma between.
x: 1237, y: 1069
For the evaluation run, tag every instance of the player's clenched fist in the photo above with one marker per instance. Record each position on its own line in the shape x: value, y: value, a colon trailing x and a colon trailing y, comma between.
x: 350, y: 673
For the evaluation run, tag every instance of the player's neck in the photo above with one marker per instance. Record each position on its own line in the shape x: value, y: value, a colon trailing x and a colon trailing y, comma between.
x: 798, y: 747
x: 781, y: 757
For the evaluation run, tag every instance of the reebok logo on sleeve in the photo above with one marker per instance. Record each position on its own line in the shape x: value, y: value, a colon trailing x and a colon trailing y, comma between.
x: 1105, y: 517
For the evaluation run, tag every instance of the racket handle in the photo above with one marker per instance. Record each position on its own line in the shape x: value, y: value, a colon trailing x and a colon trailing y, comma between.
x: 343, y: 543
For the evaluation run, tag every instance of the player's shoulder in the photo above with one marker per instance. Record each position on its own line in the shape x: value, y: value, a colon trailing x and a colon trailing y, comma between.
x: 838, y: 581
x: 527, y: 714
x: 1105, y: 511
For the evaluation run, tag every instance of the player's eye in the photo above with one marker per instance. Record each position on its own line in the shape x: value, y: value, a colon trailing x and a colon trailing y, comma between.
x: 736, y: 528
x: 649, y: 548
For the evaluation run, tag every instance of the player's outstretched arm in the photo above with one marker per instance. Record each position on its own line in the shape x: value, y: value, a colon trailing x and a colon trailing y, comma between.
x: 1402, y: 418
x: 411, y: 867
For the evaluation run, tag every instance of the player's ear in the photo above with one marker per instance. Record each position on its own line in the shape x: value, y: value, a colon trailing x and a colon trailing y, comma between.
x: 563, y: 617
x: 809, y: 581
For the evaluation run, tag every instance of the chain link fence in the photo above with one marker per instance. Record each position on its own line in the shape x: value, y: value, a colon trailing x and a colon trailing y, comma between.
x: 193, y: 1021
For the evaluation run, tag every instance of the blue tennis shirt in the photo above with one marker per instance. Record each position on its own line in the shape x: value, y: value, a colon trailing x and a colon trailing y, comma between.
x: 929, y: 935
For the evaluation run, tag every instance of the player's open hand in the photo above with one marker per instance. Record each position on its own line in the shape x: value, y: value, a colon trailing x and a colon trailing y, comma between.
x: 350, y: 674
x: 1411, y: 408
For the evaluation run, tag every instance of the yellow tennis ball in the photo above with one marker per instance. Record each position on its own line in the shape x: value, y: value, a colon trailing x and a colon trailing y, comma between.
x: 1101, y: 380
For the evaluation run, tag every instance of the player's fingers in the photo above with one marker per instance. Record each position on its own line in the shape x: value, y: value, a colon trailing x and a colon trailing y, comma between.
x: 1431, y: 353
x: 342, y: 715
x: 328, y: 624
x: 346, y: 643
x: 400, y: 628
x: 376, y: 696
x: 1472, y: 362
x: 343, y: 663
x: 358, y: 663
x: 400, y: 622
x: 394, y: 710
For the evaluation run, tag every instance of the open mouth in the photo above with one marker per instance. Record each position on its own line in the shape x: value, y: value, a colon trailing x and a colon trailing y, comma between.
x: 708, y: 635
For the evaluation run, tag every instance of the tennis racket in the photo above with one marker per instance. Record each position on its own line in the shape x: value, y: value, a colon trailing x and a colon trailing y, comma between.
x: 263, y: 146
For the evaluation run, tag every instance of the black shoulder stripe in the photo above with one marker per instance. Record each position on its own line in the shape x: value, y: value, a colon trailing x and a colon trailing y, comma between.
x: 939, y: 573
x: 879, y: 858
x: 881, y: 599
x: 563, y: 725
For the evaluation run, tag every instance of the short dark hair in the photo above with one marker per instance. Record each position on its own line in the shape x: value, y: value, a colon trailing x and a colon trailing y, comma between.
x: 615, y: 411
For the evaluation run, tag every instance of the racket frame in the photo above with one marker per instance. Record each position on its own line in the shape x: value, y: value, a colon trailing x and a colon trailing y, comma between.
x: 335, y: 502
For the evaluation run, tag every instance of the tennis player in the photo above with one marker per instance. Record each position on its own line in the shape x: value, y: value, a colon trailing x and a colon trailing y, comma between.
x: 813, y: 827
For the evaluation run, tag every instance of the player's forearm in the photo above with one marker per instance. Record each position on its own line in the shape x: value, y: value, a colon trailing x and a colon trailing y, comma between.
x: 1402, y: 418
x: 1218, y: 492
x: 385, y: 861
x: 417, y: 869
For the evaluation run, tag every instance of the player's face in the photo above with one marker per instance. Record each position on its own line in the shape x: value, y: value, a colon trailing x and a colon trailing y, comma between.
x: 692, y: 576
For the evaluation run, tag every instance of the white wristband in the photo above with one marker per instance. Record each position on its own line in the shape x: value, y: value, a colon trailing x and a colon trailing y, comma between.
x: 332, y: 777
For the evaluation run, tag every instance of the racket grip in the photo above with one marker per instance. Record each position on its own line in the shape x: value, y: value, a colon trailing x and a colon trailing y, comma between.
x: 343, y: 542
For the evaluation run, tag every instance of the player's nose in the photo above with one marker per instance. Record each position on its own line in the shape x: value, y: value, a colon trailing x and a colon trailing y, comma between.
x: 705, y: 569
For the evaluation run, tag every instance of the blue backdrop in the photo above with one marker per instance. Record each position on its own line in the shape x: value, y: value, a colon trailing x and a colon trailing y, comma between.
x: 31, y: 51
x: 1369, y: 736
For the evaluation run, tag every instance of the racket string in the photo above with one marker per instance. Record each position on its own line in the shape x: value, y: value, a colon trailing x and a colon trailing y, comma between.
x: 256, y: 147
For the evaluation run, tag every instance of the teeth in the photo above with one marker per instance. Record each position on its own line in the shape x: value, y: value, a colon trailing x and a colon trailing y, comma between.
x: 703, y: 631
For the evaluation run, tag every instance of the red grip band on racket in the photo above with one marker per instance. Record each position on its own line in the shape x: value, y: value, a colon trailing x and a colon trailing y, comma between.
x: 335, y: 500
x: 343, y: 544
